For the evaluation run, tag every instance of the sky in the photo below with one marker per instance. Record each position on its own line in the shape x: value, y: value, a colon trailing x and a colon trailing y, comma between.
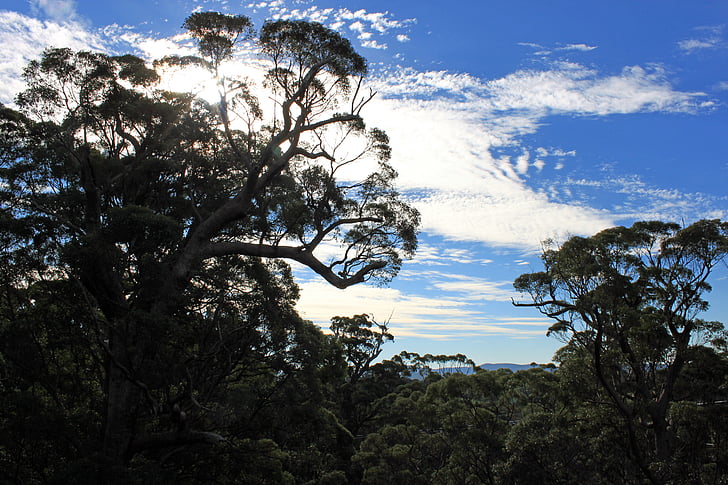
x: 510, y: 121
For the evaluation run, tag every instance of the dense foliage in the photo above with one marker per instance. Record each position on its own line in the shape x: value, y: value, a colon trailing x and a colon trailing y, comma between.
x: 148, y: 331
x: 627, y: 301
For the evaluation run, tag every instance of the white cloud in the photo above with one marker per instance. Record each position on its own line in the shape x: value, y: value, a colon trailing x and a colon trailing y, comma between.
x: 562, y: 153
x: 711, y: 37
x: 571, y: 88
x: 155, y: 48
x: 357, y: 26
x: 379, y: 21
x: 366, y: 24
x: 522, y: 163
x: 273, y: 4
x: 359, y: 20
x: 636, y: 200
x: 446, y: 127
x: 431, y: 255
x: 541, y: 50
x: 696, y: 44
x: 470, y: 288
x: 521, y: 218
x: 564, y: 88
x: 312, y: 14
x: 321, y: 301
x: 442, y: 317
x: 24, y: 38
x: 577, y: 47
x: 61, y: 11
x: 373, y: 44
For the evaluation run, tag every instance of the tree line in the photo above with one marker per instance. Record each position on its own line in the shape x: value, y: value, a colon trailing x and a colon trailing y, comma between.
x: 148, y: 330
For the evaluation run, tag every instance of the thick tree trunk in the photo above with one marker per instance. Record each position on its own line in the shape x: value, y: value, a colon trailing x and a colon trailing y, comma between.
x: 122, y: 403
x: 120, y: 417
x: 664, y: 440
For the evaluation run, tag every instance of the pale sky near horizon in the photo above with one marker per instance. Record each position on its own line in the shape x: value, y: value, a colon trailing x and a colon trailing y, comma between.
x: 510, y: 122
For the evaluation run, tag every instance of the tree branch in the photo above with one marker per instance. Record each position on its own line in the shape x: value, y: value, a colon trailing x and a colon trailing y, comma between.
x: 173, y: 438
x: 302, y: 254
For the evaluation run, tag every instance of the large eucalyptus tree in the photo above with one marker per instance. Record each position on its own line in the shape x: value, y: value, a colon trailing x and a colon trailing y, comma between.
x: 168, y: 215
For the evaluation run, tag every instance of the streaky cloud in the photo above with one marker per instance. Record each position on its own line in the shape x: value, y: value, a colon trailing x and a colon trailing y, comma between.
x: 577, y: 47
x: 711, y: 37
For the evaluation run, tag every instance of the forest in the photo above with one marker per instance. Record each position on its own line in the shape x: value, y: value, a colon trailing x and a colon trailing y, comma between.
x: 148, y: 323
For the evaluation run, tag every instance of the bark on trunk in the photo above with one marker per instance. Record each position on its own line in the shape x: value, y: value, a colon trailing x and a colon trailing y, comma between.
x: 122, y: 401
x: 664, y: 445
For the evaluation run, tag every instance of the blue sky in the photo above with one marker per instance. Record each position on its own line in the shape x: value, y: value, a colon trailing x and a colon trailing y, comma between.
x: 511, y: 122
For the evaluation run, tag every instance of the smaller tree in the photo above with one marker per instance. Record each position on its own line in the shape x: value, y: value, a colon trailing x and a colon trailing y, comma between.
x: 362, y: 339
x: 629, y: 300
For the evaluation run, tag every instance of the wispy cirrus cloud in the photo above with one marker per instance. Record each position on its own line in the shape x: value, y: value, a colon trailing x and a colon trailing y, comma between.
x: 562, y: 87
x: 691, y: 45
x: 449, y: 130
x: 577, y: 47
x: 570, y: 88
x: 470, y: 288
x: 450, y: 312
x: 634, y: 199
x: 708, y: 38
x: 431, y: 255
x: 521, y: 218
x: 541, y: 50
x: 320, y: 301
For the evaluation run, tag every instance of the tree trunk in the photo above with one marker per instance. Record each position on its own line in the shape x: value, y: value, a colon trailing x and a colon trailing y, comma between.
x: 664, y: 444
x: 122, y: 402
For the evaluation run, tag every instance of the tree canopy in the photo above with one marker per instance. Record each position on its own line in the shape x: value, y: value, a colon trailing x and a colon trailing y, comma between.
x: 151, y: 211
x: 629, y: 300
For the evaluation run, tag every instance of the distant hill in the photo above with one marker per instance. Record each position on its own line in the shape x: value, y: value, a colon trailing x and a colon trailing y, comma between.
x: 513, y: 367
x: 488, y: 367
x: 467, y: 370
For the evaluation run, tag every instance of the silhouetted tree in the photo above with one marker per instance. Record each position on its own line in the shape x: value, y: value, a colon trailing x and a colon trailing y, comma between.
x: 627, y: 301
x: 158, y: 224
